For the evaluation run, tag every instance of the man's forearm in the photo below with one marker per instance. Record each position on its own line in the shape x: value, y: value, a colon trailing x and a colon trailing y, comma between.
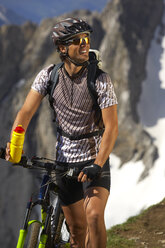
x: 23, y: 119
x: 27, y: 111
x: 110, y: 121
x: 106, y: 146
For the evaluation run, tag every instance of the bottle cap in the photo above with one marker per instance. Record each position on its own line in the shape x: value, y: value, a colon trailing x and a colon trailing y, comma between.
x: 19, y: 129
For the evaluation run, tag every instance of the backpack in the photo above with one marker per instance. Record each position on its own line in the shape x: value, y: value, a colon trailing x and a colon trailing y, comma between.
x: 93, y: 72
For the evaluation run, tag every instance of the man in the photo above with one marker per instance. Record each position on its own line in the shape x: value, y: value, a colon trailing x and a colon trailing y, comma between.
x: 83, y: 201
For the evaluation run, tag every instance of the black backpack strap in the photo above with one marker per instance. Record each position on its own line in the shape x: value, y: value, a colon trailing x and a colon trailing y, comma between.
x: 93, y: 73
x: 53, y: 82
x: 92, y: 68
x: 52, y: 85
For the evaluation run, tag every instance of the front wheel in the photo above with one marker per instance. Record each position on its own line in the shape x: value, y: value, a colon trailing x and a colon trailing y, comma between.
x: 34, y: 234
x: 62, y: 232
x: 60, y: 229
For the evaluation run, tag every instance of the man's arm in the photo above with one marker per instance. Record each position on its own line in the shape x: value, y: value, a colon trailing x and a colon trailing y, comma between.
x: 110, y: 120
x: 110, y: 134
x: 26, y: 113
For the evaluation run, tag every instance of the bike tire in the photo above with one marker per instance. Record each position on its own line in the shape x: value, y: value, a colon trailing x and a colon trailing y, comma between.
x: 62, y: 235
x: 59, y: 224
x: 34, y: 234
x: 61, y: 232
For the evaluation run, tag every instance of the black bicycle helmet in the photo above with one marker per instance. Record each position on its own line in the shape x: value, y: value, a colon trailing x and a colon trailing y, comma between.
x: 66, y: 29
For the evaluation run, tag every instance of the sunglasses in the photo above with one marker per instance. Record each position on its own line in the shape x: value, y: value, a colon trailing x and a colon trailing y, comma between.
x: 80, y: 41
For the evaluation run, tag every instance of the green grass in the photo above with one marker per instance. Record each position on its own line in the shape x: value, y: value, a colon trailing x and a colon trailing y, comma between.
x: 115, y: 240
x: 114, y: 237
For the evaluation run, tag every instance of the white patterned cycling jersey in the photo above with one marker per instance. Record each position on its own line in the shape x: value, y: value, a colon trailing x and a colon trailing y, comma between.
x: 75, y: 114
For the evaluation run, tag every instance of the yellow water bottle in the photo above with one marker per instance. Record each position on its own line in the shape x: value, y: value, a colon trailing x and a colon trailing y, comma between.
x: 16, y: 146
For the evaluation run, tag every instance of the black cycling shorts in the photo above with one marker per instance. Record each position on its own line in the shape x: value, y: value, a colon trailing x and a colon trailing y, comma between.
x: 71, y: 191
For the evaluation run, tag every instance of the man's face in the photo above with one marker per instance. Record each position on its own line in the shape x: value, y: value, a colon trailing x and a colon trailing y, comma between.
x: 79, y: 48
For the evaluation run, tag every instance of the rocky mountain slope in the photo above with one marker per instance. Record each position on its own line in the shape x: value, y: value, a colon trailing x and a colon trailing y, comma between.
x: 145, y: 230
x: 123, y: 33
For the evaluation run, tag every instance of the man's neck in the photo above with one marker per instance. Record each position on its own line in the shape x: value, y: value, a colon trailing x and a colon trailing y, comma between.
x: 71, y: 68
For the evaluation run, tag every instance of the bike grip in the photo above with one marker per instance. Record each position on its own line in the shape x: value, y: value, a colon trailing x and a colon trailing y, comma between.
x: 2, y: 152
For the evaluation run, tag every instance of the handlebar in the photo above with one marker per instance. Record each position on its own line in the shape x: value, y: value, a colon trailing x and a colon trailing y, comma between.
x: 43, y: 163
x: 2, y: 153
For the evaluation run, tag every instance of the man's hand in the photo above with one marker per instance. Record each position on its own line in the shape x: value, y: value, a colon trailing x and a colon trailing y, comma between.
x: 7, y: 157
x: 89, y: 173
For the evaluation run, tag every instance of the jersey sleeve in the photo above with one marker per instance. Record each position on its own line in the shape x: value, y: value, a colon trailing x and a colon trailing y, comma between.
x: 40, y: 83
x: 105, y: 90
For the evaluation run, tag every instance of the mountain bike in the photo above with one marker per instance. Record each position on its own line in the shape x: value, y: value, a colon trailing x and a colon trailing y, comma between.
x: 50, y: 230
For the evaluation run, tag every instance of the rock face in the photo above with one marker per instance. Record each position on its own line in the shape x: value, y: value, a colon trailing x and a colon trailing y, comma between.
x: 129, y: 30
x: 123, y: 32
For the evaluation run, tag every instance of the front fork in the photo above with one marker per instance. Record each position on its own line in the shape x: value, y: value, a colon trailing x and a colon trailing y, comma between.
x: 44, y: 234
x: 23, y: 232
x: 46, y: 219
x: 46, y: 213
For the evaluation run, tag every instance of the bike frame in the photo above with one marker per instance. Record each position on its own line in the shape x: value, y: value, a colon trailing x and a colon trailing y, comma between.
x: 46, y: 212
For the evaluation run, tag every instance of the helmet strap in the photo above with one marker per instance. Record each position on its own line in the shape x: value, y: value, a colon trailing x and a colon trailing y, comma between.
x: 76, y: 63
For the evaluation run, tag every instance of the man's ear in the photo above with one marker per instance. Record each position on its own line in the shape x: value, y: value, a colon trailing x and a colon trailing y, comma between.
x: 62, y: 48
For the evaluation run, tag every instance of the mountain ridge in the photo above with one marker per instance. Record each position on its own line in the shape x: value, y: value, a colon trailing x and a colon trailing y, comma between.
x: 7, y: 16
x: 39, y: 10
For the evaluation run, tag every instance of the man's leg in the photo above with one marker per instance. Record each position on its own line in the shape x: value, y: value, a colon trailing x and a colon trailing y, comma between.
x: 76, y: 220
x: 94, y: 205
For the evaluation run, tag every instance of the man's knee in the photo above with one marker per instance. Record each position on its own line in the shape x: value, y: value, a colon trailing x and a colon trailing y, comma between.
x: 94, y: 218
x: 77, y: 229
x: 77, y: 234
